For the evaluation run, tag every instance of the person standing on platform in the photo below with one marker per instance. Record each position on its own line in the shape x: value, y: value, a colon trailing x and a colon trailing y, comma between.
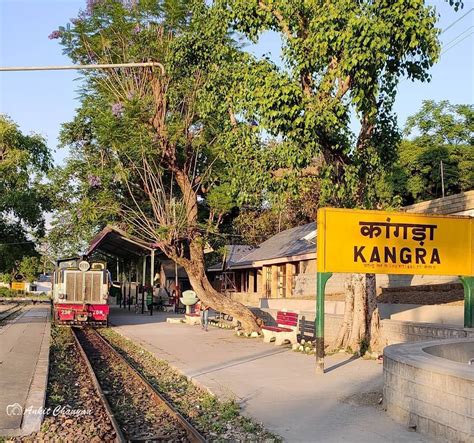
x: 204, y: 311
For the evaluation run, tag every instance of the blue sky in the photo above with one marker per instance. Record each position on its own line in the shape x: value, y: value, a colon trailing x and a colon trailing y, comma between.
x: 41, y: 101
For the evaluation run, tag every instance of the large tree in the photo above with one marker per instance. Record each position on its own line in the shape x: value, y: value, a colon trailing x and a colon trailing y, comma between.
x: 440, y: 135
x: 24, y: 163
x: 342, y: 61
x: 159, y: 150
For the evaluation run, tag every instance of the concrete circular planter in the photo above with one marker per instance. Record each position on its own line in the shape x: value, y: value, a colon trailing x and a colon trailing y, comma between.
x: 428, y: 386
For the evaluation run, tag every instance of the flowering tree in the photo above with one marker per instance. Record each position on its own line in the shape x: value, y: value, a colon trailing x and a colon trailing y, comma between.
x: 158, y: 150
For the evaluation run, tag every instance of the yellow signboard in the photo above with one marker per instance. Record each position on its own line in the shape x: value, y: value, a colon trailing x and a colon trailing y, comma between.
x: 18, y: 286
x: 394, y: 243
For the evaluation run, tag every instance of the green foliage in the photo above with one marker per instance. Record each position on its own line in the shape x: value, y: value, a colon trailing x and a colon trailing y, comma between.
x: 30, y: 267
x: 440, y: 132
x: 341, y: 57
x: 5, y: 292
x: 243, y: 131
x: 24, y: 159
x: 24, y: 163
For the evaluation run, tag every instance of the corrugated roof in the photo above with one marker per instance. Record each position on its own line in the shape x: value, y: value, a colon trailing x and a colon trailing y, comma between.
x: 113, y: 240
x: 288, y: 243
x: 232, y: 255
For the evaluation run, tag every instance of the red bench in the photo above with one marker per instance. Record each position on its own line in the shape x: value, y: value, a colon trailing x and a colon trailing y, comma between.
x: 286, y: 329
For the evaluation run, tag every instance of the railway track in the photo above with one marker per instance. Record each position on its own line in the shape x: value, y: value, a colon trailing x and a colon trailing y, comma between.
x: 138, y: 412
x: 7, y: 313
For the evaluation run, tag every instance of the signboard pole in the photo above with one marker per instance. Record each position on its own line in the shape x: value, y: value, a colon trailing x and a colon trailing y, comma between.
x: 321, y: 280
x: 468, y: 283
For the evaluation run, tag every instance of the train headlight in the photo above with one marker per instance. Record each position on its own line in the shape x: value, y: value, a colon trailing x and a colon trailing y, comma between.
x: 61, y: 296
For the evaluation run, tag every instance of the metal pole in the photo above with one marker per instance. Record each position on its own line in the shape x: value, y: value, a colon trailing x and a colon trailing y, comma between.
x: 442, y: 177
x: 468, y: 283
x: 83, y: 67
x: 176, y: 275
x: 136, y: 284
x: 143, y: 283
x: 321, y: 280
x: 129, y: 300
x: 152, y: 268
x: 152, y: 278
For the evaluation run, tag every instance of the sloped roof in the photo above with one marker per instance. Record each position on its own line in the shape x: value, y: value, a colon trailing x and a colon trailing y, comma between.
x: 113, y: 240
x: 232, y: 255
x: 288, y: 243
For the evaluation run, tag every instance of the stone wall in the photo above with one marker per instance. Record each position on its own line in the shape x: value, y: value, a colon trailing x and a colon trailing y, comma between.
x: 438, y: 314
x: 402, y: 332
x: 430, y: 395
x: 462, y: 203
x: 305, y: 284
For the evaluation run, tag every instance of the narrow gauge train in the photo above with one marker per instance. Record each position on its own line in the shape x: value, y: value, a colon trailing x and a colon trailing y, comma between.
x: 80, y: 292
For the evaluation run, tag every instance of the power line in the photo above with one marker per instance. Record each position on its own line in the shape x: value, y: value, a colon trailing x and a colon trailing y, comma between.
x: 456, y: 21
x: 459, y: 35
x: 451, y: 41
x: 452, y: 46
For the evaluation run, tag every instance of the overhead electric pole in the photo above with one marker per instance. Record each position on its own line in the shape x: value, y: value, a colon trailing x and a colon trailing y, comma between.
x: 442, y: 177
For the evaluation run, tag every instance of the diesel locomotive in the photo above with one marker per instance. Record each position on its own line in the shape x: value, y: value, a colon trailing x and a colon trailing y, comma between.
x: 80, y: 292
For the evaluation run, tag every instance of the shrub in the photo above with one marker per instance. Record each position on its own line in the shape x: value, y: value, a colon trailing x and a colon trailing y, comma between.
x: 5, y: 292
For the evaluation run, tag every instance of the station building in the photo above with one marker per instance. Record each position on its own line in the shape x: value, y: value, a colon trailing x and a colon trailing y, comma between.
x: 284, y: 266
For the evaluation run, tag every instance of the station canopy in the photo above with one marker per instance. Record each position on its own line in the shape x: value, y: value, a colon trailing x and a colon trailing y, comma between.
x: 118, y: 243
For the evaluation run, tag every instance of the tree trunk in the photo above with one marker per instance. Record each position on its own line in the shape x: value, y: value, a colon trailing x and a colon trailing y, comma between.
x: 345, y: 329
x: 195, y: 270
x: 195, y: 266
x: 358, y: 334
x: 360, y: 328
x: 220, y: 302
x: 373, y: 325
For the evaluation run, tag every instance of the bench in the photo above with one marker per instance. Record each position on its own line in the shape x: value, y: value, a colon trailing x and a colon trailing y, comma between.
x: 307, y: 330
x: 286, y: 329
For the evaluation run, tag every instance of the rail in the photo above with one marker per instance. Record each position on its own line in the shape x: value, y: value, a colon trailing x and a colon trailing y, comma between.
x: 7, y: 313
x: 120, y: 438
x: 192, y: 433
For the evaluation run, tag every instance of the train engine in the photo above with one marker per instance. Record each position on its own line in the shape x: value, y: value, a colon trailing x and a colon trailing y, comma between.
x: 80, y: 292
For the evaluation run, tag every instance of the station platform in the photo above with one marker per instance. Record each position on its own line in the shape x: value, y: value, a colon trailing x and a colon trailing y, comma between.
x: 24, y: 358
x: 274, y: 385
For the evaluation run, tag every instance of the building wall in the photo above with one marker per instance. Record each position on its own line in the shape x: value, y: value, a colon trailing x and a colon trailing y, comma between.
x: 298, y: 280
x: 305, y: 284
x: 268, y: 281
